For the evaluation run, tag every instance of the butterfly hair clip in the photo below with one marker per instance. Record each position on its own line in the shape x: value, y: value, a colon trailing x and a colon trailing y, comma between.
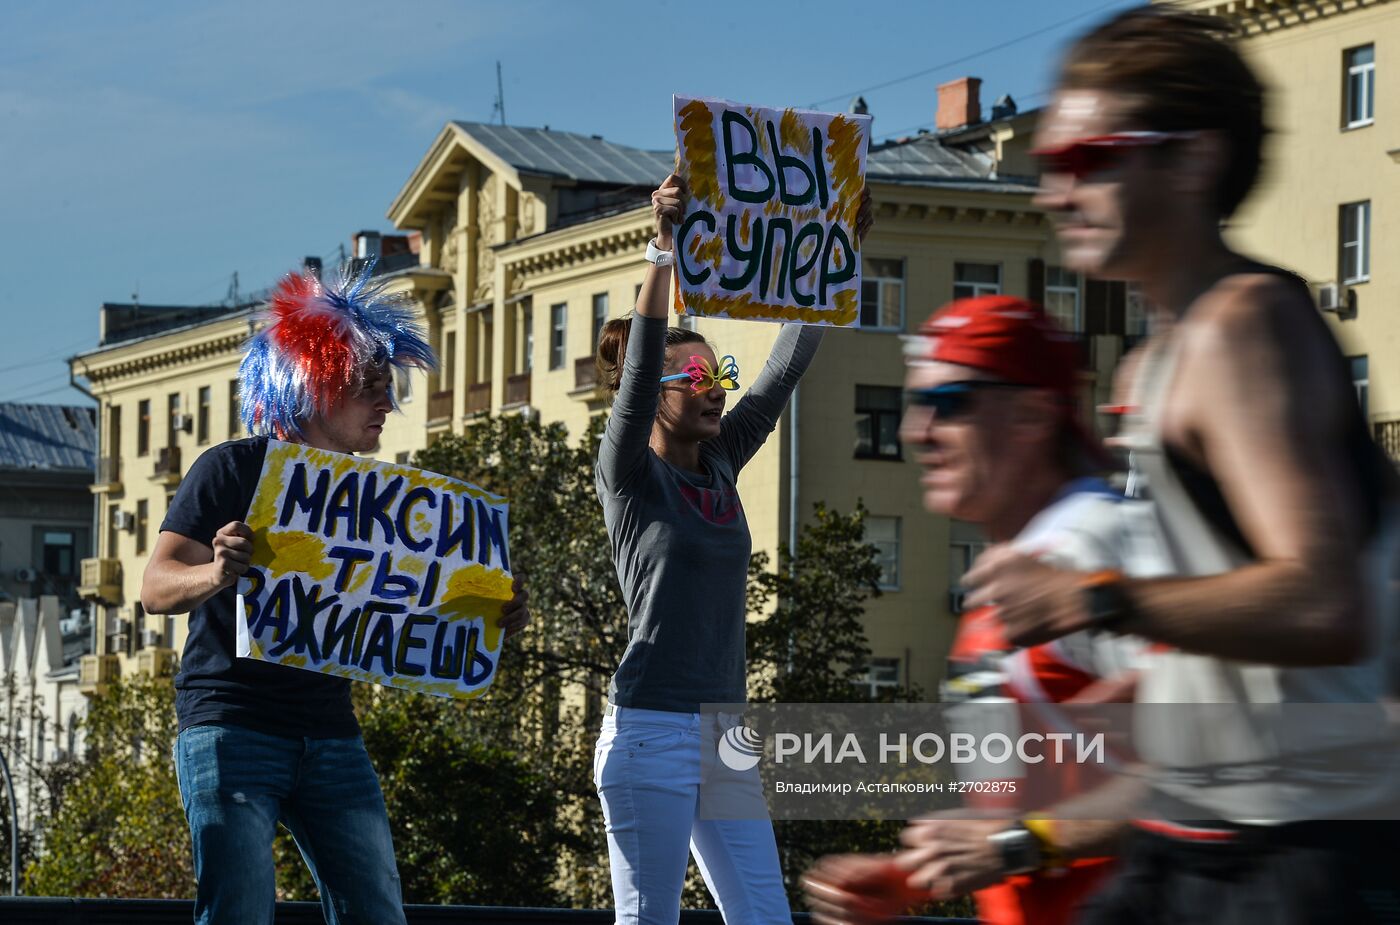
x: 703, y: 378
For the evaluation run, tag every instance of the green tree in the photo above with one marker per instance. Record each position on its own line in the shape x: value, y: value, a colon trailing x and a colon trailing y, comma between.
x: 118, y: 828
x: 811, y: 647
x: 538, y: 707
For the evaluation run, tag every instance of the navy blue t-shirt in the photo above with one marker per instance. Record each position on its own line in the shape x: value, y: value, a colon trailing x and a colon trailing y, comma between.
x: 215, y: 685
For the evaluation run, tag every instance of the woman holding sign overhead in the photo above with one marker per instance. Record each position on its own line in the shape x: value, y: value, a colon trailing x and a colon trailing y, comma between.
x: 666, y: 476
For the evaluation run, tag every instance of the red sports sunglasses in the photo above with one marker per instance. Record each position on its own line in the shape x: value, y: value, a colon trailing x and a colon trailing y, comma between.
x: 1085, y: 156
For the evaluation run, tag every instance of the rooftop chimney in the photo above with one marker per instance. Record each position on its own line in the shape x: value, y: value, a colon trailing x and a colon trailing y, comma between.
x: 312, y: 265
x: 367, y: 245
x: 959, y: 103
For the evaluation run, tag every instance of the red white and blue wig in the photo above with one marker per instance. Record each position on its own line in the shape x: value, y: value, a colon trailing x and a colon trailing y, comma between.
x: 317, y: 343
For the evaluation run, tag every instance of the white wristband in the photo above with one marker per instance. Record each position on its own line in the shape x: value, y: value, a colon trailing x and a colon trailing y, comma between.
x: 659, y: 257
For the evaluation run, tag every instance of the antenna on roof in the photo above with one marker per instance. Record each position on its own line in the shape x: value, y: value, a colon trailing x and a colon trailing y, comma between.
x: 233, y: 289
x: 136, y: 295
x: 500, y: 106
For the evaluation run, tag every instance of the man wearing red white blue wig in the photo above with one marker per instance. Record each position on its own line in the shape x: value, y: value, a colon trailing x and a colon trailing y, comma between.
x: 261, y: 743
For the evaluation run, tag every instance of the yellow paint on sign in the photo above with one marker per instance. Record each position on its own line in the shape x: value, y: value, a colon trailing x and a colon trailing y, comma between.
x: 794, y: 134
x: 294, y: 552
x: 698, y: 143
x: 744, y: 306
x: 712, y: 251
x: 843, y: 152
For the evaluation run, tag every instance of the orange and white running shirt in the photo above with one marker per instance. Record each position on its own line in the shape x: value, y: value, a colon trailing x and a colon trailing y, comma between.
x: 1088, y: 528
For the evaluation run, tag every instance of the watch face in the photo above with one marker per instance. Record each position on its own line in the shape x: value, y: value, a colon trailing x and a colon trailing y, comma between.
x: 1020, y: 852
x: 1107, y: 605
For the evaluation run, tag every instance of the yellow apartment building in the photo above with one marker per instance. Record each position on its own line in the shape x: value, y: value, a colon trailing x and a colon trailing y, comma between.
x: 527, y: 241
x: 1329, y: 204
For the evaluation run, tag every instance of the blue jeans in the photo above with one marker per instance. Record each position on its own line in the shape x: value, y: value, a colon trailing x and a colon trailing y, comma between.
x: 237, y: 784
x: 655, y: 772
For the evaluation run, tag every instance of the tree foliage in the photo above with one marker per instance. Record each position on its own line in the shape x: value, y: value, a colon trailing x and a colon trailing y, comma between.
x: 119, y: 828
x: 492, y: 801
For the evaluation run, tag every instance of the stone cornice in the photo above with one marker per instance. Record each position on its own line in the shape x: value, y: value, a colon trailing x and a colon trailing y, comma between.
x: 569, y: 254
x: 123, y: 363
x: 959, y: 213
x: 1259, y: 17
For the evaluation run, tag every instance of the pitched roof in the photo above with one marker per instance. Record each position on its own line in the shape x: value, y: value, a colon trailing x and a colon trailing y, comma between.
x: 47, y: 436
x: 124, y: 321
x: 928, y: 160
x: 585, y: 158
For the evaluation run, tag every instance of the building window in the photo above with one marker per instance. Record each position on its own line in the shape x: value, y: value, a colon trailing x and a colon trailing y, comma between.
x: 882, y: 294
x: 1356, y: 242
x: 112, y: 510
x: 1062, y: 298
x: 965, y: 544
x: 877, y: 422
x: 448, y: 380
x: 558, y: 321
x: 114, y: 433
x: 59, y: 555
x: 883, y: 534
x: 974, y: 279
x: 201, y: 424
x: 235, y: 410
x: 1360, y: 90
x: 142, y: 516
x: 1135, y: 315
x: 527, y: 318
x: 881, y: 677
x: 1361, y: 381
x: 600, y: 318
x: 403, y: 385
x: 172, y: 414
x: 143, y: 427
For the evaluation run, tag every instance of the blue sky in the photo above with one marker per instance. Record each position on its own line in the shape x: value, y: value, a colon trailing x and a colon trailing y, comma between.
x: 157, y: 147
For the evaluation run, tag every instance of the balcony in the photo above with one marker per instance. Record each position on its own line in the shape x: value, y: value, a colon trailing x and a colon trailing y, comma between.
x: 167, y: 468
x: 478, y: 397
x: 440, y: 406
x: 156, y: 661
x: 1388, y: 438
x: 95, y: 672
x: 517, y: 390
x: 100, y: 579
x: 109, y: 475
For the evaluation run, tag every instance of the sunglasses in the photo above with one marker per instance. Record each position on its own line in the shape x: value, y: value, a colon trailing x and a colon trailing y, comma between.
x: 953, y: 400
x: 703, y: 378
x: 1085, y: 156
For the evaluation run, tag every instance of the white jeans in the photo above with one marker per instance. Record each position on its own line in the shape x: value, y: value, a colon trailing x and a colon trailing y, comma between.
x: 650, y: 767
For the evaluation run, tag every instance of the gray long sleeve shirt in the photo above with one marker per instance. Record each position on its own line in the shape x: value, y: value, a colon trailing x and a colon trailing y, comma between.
x: 680, y: 539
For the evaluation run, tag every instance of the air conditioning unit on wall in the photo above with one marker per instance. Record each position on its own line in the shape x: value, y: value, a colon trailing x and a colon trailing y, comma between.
x: 183, y: 422
x: 123, y: 520
x: 1331, y: 297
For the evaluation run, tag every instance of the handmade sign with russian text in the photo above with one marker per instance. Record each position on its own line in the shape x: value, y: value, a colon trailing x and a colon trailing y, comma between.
x: 770, y: 228
x: 374, y: 572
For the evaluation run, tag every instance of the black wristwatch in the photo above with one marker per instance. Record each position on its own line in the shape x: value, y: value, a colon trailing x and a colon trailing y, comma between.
x: 1020, y: 850
x: 1106, y: 601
